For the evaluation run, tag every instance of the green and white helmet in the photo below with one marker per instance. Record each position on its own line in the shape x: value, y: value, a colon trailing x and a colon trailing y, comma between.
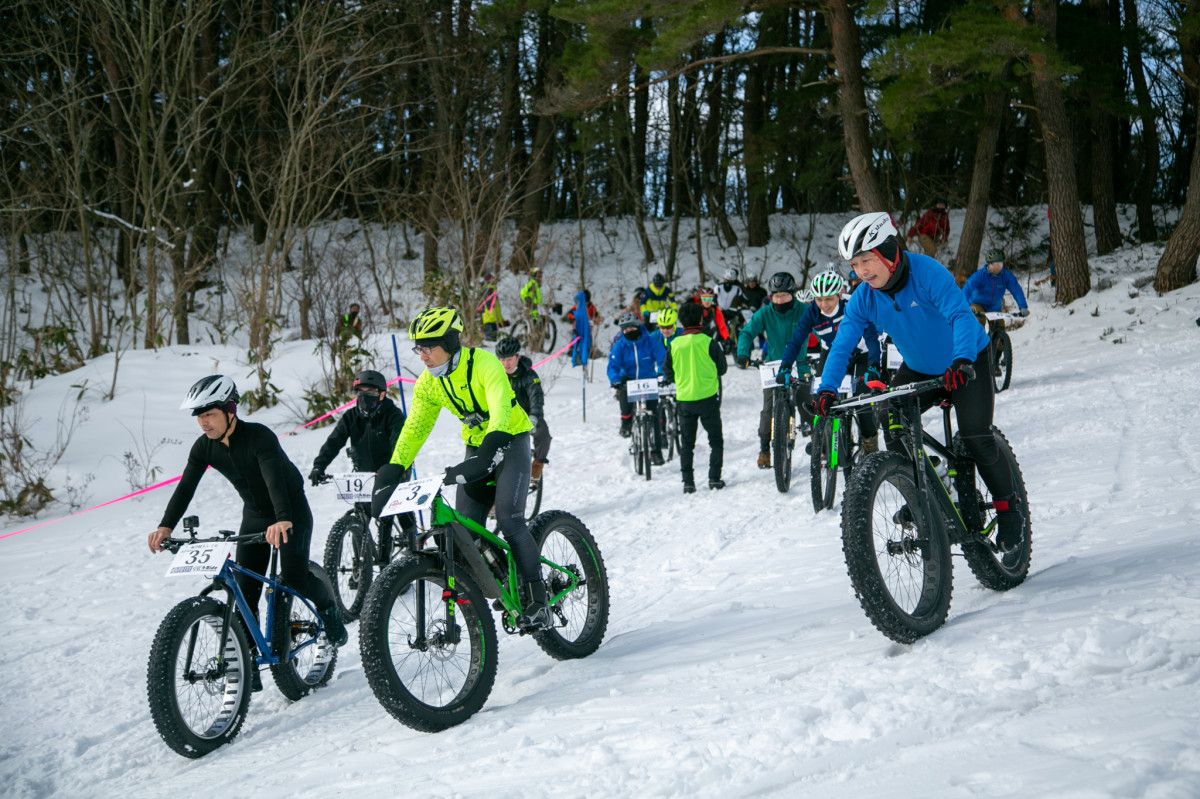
x: 827, y: 284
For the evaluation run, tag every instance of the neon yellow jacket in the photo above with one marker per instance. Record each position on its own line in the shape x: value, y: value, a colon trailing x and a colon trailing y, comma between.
x: 531, y: 295
x: 493, y: 397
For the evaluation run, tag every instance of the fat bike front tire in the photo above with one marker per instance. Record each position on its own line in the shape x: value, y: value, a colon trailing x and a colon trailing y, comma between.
x: 1002, y: 368
x: 349, y: 562
x: 898, y: 562
x: 416, y: 671
x: 783, y: 436
x: 200, y: 707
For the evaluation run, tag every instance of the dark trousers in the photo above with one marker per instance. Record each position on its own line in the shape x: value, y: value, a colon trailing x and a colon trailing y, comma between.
x: 541, y: 441
x: 973, y: 407
x: 507, y: 487
x: 293, y: 556
x: 705, y: 412
x: 627, y: 408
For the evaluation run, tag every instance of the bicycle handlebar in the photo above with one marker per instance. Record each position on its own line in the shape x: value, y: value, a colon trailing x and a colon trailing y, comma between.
x: 899, y: 391
x: 173, y: 544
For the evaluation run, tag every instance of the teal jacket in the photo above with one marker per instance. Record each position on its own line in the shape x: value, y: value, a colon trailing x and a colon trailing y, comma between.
x: 778, y: 328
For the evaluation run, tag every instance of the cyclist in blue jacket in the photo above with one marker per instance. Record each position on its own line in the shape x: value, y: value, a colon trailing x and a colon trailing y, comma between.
x: 635, y: 355
x: 916, y: 301
x: 822, y: 319
x: 986, y: 288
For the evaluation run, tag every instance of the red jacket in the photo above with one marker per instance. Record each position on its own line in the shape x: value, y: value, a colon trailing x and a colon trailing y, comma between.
x: 935, y: 223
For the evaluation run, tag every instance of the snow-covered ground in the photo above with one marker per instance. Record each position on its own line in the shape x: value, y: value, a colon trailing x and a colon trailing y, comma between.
x: 737, y: 660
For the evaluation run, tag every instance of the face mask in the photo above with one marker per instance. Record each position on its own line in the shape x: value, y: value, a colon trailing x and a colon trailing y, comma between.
x: 447, y: 367
x: 785, y: 307
x: 633, y: 335
x: 366, y: 404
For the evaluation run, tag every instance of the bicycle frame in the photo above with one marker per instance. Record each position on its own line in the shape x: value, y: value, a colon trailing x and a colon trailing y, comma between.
x: 456, y: 531
x: 226, y: 580
x: 904, y: 419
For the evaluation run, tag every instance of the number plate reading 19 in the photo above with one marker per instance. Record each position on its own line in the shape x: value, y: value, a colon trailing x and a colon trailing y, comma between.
x: 200, y: 559
x: 767, y: 372
x: 412, y: 496
x: 641, y: 389
x: 354, y: 486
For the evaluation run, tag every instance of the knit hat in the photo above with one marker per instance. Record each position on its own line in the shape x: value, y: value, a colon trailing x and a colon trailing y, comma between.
x: 889, y: 251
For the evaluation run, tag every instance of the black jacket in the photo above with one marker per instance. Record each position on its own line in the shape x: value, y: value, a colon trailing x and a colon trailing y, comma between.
x: 254, y: 463
x: 371, y: 439
x: 528, y: 388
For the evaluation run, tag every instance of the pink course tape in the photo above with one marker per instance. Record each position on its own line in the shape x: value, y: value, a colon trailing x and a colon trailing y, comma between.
x: 177, y: 477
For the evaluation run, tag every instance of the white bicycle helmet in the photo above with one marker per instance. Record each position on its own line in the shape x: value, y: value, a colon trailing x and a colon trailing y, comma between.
x: 864, y: 233
x: 731, y: 275
x: 827, y: 284
x: 214, y: 391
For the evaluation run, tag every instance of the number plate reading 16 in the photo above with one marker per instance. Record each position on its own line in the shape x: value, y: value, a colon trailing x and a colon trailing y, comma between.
x: 413, y: 496
x: 354, y: 486
x: 641, y: 389
x: 200, y: 559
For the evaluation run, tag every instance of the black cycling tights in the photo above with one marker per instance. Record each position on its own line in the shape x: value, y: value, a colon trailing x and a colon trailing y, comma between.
x: 293, y: 556
x: 973, y: 406
x: 510, y: 491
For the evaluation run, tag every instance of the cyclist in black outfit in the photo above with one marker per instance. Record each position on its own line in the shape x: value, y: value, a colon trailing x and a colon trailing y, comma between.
x: 372, y: 427
x: 527, y: 386
x: 249, y: 456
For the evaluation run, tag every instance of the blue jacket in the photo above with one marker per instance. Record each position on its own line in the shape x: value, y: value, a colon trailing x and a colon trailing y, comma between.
x: 658, y: 336
x: 984, y: 288
x: 638, y: 360
x: 583, y: 331
x: 826, y: 327
x: 928, y: 319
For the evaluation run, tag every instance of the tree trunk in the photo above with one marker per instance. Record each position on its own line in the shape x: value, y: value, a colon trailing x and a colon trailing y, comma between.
x: 852, y: 103
x: 713, y: 176
x: 758, y: 230
x: 1177, y: 267
x: 1103, y: 127
x: 970, y: 241
x: 1068, y: 244
x: 1149, y: 139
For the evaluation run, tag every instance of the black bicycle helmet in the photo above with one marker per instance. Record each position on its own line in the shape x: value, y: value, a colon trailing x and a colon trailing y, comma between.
x: 993, y: 256
x: 371, y: 379
x: 658, y: 280
x: 507, y: 347
x: 781, y: 281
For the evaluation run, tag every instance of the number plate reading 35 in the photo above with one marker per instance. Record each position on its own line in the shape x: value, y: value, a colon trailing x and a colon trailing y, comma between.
x: 413, y: 496
x: 354, y: 486
x: 200, y: 559
x: 641, y: 389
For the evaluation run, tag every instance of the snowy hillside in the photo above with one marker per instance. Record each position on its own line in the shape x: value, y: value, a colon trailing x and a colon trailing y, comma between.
x: 737, y: 660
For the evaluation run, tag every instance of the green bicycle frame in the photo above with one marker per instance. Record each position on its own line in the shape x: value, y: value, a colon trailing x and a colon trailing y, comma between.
x: 444, y: 516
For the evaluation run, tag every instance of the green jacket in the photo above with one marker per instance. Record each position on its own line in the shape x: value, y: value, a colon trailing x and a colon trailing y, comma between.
x: 778, y: 328
x: 694, y: 363
x: 492, y: 396
x: 531, y: 295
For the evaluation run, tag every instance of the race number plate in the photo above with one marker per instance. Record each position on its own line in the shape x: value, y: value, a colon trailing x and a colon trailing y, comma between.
x: 894, y: 358
x: 767, y: 372
x: 200, y: 559
x: 413, y: 496
x: 667, y: 391
x: 354, y: 486
x: 845, y: 389
x: 992, y: 316
x: 641, y: 389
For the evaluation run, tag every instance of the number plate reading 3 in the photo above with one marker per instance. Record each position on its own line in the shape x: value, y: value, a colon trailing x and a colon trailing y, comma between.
x: 354, y: 486
x: 642, y: 389
x: 200, y: 559
x: 414, y: 496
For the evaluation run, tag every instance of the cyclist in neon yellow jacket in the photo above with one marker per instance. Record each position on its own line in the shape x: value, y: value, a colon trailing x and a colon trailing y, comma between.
x: 531, y: 292
x: 473, y: 385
